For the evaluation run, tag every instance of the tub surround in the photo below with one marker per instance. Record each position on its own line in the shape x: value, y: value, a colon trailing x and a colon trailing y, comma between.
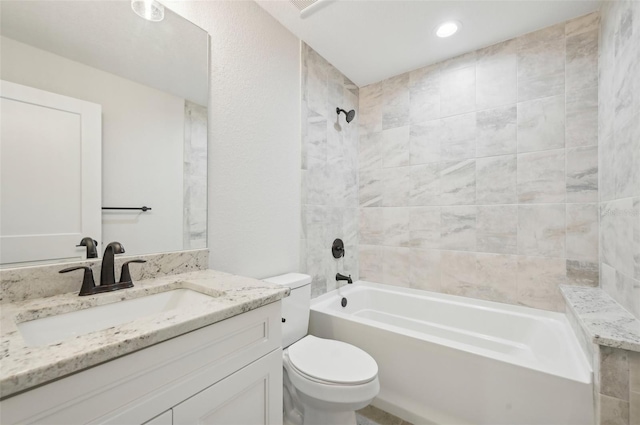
x: 329, y: 172
x: 24, y: 283
x: 603, y: 320
x: 24, y: 367
x: 479, y: 172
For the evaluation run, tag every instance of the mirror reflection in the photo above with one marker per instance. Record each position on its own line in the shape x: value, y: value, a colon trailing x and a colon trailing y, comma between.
x: 104, y: 131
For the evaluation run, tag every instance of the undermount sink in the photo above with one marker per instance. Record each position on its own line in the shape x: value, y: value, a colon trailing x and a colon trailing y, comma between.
x: 68, y: 325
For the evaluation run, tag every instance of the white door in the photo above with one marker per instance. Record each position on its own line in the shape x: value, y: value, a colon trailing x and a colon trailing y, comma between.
x: 251, y: 396
x: 50, y: 174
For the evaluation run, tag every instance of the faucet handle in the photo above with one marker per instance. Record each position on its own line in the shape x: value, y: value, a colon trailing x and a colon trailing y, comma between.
x: 125, y: 275
x: 88, y: 284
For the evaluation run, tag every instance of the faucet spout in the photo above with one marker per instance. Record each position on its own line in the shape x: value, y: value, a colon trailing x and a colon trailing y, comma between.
x: 108, y: 274
x: 340, y: 277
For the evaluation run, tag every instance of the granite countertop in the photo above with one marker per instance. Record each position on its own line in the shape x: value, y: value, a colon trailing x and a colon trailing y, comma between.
x: 24, y: 367
x: 604, y: 320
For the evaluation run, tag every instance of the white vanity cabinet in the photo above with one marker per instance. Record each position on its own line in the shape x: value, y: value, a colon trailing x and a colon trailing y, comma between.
x: 226, y: 373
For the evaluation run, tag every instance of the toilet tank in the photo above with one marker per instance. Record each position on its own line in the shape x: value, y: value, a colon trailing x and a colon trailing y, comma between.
x: 295, y: 307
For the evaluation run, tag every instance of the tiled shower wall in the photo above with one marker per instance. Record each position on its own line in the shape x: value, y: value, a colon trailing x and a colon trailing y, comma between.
x: 478, y: 176
x: 619, y: 111
x: 329, y: 172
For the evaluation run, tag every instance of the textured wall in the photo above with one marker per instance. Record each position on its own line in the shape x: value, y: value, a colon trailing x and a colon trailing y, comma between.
x: 254, y: 138
x: 478, y: 175
x: 619, y: 152
x: 329, y: 172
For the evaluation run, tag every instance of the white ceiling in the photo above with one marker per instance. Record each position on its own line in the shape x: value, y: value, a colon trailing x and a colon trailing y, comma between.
x: 171, y: 55
x: 370, y: 40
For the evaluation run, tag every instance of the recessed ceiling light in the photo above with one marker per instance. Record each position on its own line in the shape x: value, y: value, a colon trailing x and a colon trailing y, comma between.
x: 150, y: 10
x: 447, y: 29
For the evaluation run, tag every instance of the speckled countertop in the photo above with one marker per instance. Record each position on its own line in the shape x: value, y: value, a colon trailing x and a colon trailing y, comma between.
x: 603, y: 319
x: 23, y: 367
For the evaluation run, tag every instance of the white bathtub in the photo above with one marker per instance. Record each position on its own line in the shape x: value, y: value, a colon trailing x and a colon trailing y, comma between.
x: 452, y: 360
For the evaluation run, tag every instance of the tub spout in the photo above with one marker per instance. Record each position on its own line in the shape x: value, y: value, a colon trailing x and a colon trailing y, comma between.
x: 340, y: 277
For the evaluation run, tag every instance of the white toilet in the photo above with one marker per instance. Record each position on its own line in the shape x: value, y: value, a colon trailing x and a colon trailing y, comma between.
x: 325, y: 381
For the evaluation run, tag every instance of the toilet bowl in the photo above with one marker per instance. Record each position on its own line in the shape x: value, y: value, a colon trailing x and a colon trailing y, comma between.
x: 325, y: 381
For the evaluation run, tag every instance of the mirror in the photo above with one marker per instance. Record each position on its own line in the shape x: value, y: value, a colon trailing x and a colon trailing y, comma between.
x: 103, y: 113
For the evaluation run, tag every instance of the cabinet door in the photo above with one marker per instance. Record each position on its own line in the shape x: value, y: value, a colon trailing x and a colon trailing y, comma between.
x: 165, y: 418
x: 251, y: 396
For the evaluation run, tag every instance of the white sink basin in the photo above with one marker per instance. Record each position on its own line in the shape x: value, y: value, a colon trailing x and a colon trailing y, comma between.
x: 68, y: 325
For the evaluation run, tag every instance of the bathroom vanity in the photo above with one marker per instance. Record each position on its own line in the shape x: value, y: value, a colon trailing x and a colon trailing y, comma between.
x: 205, y: 348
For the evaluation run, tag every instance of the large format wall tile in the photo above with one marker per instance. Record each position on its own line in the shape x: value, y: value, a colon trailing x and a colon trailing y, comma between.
x: 486, y: 174
x: 541, y: 124
x: 541, y: 177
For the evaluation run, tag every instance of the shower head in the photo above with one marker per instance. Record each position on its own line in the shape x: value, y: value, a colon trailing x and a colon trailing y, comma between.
x: 350, y: 115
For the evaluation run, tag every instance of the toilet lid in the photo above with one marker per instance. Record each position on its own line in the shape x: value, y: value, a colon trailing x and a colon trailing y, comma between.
x: 332, y: 361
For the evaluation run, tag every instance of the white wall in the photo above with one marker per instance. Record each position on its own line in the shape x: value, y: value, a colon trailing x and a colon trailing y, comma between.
x: 141, y: 164
x: 254, y: 138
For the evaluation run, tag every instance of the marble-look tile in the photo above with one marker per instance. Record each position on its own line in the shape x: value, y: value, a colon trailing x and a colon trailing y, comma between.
x: 582, y: 174
x: 370, y: 151
x: 541, y: 124
x: 541, y: 66
x: 582, y: 231
x: 496, y: 277
x: 538, y: 284
x: 634, y: 371
x: 541, y: 177
x: 458, y: 272
x: 606, y: 169
x: 541, y: 230
x: 395, y: 147
x: 370, y: 188
x: 582, y: 273
x: 581, y: 128
x: 614, y: 373
x: 458, y: 228
x: 618, y: 221
x: 371, y: 226
x: 370, y: 109
x: 497, y: 229
x: 613, y: 411
x: 424, y: 94
x: 496, y: 73
x: 458, y: 182
x: 458, y: 137
x: 396, y: 266
x: 424, y: 227
x: 464, y: 60
x: 636, y: 237
x: 425, y: 184
x: 627, y: 157
x: 425, y: 269
x: 496, y: 131
x: 424, y: 142
x: 395, y: 102
x: 582, y: 61
x: 371, y: 258
x: 396, y: 226
x: 457, y: 91
x: 582, y: 24
x: 496, y: 180
x: 396, y: 186
x: 634, y: 408
x: 317, y: 90
x: 541, y: 37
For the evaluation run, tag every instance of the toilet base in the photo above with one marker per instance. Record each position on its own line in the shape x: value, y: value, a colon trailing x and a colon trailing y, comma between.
x: 322, y: 417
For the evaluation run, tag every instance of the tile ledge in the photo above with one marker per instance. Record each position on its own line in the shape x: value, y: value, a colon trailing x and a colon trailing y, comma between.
x: 604, y: 320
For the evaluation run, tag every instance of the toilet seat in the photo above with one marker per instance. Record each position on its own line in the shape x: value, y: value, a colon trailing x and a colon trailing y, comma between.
x: 331, y: 362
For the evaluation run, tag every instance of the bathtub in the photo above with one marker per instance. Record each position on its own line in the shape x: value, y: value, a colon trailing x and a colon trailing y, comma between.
x: 446, y: 359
